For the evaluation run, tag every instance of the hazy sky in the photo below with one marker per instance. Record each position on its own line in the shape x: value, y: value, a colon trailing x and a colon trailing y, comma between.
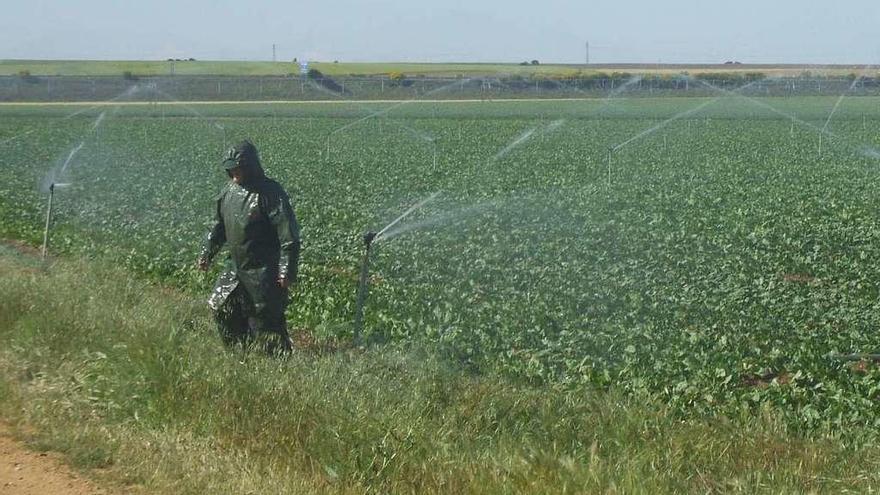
x: 750, y: 31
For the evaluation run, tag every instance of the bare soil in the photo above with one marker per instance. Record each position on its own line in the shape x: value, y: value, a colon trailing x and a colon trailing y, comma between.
x: 25, y: 472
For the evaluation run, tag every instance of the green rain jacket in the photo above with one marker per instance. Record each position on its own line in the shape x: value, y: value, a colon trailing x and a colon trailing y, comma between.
x: 257, y: 223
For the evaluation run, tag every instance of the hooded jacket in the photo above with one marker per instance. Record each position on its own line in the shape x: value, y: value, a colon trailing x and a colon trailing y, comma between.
x: 257, y: 223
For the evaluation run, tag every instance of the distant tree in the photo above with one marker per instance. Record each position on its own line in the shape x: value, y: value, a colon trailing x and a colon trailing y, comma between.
x: 26, y: 76
x: 535, y: 62
x: 524, y: 63
x: 192, y: 59
x: 314, y: 74
x: 129, y: 76
x: 397, y: 78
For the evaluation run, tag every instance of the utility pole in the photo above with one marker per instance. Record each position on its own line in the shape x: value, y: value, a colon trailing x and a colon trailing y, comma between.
x: 273, y: 52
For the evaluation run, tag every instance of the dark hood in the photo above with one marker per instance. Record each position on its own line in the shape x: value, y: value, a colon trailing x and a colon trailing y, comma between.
x: 244, y: 154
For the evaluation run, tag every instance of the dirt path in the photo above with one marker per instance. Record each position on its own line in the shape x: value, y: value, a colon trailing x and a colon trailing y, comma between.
x: 25, y: 472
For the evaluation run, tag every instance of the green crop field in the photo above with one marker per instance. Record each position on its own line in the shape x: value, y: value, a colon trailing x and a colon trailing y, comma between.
x: 240, y: 68
x: 712, y: 253
x: 265, y: 68
x: 630, y: 294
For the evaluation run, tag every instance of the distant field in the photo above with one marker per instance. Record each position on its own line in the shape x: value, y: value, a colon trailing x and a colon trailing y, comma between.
x: 815, y: 108
x: 143, y: 68
x: 239, y: 68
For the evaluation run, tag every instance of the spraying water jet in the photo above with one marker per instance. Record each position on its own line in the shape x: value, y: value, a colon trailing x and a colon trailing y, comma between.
x: 870, y: 152
x: 363, y: 281
x: 70, y: 156
x: 843, y: 96
x: 128, y: 92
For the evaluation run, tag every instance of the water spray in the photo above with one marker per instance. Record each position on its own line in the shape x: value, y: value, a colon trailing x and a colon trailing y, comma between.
x: 382, y: 113
x: 128, y: 92
x: 526, y: 135
x: 668, y: 121
x: 843, y: 95
x: 223, y: 131
x: 363, y: 281
x: 794, y: 117
x: 402, y: 127
x: 70, y: 156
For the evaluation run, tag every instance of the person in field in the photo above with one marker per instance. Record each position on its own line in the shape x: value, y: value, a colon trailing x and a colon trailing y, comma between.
x: 255, y: 220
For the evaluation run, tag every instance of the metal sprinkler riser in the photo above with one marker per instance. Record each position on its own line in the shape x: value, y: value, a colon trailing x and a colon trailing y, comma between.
x: 363, y: 281
x: 45, y: 249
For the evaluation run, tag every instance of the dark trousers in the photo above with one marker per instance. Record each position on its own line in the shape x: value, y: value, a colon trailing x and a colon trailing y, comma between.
x: 241, y: 324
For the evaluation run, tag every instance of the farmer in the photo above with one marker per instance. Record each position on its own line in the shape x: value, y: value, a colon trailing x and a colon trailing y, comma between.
x: 255, y: 220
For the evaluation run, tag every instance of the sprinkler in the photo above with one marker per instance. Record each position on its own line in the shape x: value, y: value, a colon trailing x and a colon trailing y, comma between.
x: 48, y: 221
x: 368, y: 238
x: 610, y: 155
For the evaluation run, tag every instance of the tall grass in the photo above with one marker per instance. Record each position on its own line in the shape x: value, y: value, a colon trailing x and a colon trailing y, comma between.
x: 130, y: 378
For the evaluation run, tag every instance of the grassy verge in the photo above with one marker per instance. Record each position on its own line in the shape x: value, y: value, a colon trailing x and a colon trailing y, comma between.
x: 129, y: 380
